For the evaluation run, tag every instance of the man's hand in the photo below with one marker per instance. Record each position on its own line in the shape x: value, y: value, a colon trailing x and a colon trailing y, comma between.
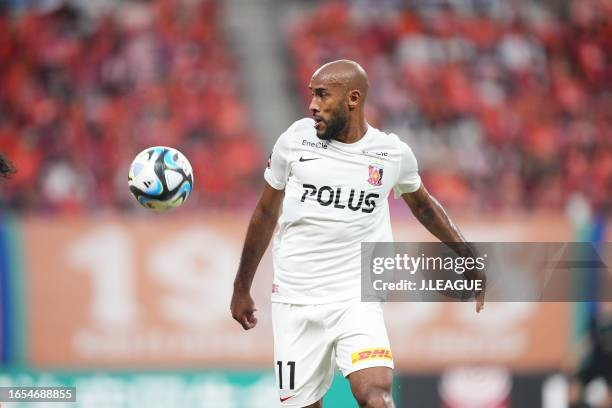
x: 243, y: 309
x: 474, y: 274
x: 430, y: 213
x: 480, y: 296
x: 480, y: 300
x: 477, y: 275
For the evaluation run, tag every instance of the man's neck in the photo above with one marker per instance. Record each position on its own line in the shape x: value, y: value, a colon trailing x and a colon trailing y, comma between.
x: 354, y: 131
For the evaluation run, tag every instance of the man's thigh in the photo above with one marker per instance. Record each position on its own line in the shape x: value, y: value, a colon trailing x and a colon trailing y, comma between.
x: 303, y: 354
x: 361, y: 339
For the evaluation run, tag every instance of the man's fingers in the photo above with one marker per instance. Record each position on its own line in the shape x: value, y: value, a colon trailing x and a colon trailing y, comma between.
x: 251, y: 322
x: 247, y: 319
x: 480, y: 300
x: 251, y: 319
x: 243, y: 311
x: 244, y: 322
x: 248, y: 322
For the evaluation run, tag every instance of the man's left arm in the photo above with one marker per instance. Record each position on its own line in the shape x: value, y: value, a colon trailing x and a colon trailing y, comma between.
x: 433, y: 217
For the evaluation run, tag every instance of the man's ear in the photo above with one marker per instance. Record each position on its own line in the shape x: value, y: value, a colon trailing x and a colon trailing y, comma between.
x: 354, y: 97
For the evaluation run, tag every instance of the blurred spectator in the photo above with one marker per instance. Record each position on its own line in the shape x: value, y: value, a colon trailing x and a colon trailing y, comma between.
x: 596, y: 362
x: 80, y: 96
x: 506, y: 105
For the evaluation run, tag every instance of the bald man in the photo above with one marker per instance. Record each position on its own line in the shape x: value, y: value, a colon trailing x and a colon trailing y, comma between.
x: 331, y: 174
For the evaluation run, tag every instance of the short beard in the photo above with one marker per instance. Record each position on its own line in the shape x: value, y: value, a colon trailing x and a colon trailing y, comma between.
x: 337, y: 123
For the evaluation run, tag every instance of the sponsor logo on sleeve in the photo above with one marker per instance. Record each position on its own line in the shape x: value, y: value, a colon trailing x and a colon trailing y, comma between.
x: 371, y: 354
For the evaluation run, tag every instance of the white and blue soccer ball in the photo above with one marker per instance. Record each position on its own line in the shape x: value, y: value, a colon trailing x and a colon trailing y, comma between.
x: 160, y: 178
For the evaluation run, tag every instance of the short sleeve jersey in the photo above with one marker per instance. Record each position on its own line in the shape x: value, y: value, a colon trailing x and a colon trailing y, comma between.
x: 335, y: 198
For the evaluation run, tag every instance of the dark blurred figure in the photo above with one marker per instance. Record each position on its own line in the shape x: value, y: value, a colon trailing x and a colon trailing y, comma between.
x: 597, y: 364
x: 6, y: 167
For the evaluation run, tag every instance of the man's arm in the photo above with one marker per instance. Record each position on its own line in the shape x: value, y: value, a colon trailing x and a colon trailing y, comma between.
x: 433, y: 217
x: 257, y: 239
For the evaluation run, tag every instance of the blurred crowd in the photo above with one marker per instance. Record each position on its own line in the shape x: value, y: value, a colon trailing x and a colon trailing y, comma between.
x: 81, y: 96
x: 507, y: 105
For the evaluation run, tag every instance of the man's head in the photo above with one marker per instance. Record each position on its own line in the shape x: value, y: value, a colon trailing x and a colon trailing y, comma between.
x: 339, y: 90
x: 6, y: 168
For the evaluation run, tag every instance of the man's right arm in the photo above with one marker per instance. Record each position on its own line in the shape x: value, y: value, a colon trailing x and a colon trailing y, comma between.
x: 257, y: 239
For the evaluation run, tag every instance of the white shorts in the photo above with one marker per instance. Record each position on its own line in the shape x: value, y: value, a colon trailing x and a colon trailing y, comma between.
x: 311, y: 340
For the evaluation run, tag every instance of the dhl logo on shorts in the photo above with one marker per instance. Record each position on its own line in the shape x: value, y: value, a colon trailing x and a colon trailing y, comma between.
x: 371, y: 354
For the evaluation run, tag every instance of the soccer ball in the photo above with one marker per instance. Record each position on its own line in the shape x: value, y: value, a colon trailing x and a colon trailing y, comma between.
x: 160, y: 178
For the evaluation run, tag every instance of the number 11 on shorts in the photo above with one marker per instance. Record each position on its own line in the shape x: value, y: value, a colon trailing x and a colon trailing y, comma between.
x: 291, y: 365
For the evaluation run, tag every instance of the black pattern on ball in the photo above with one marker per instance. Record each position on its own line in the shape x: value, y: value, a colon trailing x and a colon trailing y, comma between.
x: 159, y: 168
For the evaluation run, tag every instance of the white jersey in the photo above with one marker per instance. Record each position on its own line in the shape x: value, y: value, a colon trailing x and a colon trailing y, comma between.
x: 335, y: 198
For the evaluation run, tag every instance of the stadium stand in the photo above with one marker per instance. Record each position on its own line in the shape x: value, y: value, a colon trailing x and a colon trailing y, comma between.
x: 80, y: 96
x: 506, y: 104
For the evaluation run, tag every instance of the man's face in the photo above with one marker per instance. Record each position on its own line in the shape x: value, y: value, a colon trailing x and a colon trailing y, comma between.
x: 328, y: 107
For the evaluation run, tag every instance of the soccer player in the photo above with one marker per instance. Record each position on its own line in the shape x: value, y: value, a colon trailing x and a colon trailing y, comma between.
x: 331, y: 174
x: 6, y: 168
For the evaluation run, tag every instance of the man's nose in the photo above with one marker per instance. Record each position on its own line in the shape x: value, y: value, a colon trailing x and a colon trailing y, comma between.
x: 314, y: 107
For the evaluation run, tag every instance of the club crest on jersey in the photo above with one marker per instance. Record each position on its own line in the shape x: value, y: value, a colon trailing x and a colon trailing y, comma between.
x: 376, y: 175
